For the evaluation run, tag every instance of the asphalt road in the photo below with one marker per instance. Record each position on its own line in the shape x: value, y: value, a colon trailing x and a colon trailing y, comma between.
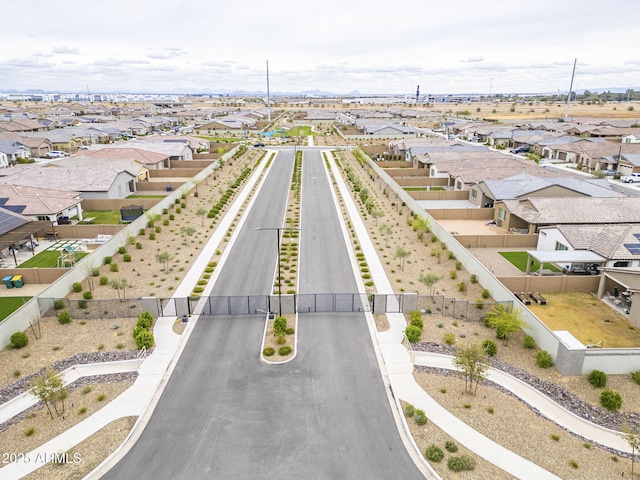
x: 226, y: 414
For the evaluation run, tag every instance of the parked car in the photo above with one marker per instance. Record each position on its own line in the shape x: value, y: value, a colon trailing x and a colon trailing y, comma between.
x: 259, y: 144
x: 633, y: 178
x: 55, y: 154
x: 609, y: 172
x: 520, y: 150
x: 63, y: 220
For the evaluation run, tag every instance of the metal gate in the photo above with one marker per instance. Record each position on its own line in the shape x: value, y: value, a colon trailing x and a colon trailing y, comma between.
x: 235, y: 305
x: 332, y: 302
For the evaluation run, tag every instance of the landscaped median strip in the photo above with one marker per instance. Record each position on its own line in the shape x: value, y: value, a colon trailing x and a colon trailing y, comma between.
x: 279, y: 339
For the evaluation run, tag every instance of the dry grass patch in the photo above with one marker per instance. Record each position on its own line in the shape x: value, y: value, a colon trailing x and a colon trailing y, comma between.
x: 588, y: 319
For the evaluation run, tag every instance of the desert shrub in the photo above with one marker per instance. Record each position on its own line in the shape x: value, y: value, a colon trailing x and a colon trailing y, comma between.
x: 279, y: 324
x: 416, y: 321
x: 598, y: 378
x: 490, y: 347
x: 450, y: 446
x: 141, y: 231
x: 413, y: 333
x: 77, y: 287
x: 122, y: 250
x: 269, y: 351
x: 453, y: 274
x: 107, y: 260
x: 82, y: 303
x: 458, y: 264
x: 290, y: 331
x: 449, y: 338
x: 87, y: 295
x: 434, y: 453
x: 460, y: 463
x: 462, y: 287
x: 544, y: 359
x: 285, y: 350
x: 415, y: 314
x: 137, y: 329
x: 145, y: 319
x: 485, y: 294
x: 635, y: 376
x: 158, y: 229
x: 474, y: 278
x: 64, y: 317
x: 19, y: 340
x: 126, y: 257
x: 113, y: 267
x: 104, y: 281
x: 529, y: 342
x: 58, y: 304
x: 144, y: 339
x: 152, y: 236
x: 409, y: 410
x: 420, y: 418
x: 95, y: 272
x: 138, y: 246
x: 198, y: 290
x: 280, y: 338
x: 611, y: 400
x: 202, y: 282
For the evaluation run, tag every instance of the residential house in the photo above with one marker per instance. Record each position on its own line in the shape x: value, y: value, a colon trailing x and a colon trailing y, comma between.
x: 13, y: 151
x: 151, y: 160
x: 618, y: 243
x: 93, y: 178
x: 530, y: 214
x: 389, y: 130
x: 486, y: 192
x: 39, y: 203
x: 628, y: 163
x: 631, y: 138
x: 22, y: 125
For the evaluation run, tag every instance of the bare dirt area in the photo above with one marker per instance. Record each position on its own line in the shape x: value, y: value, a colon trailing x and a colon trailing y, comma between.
x: 509, y: 422
x: 88, y: 454
x: 62, y: 341
x: 38, y: 427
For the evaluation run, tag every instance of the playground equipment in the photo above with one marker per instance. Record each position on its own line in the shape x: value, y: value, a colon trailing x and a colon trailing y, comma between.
x: 67, y: 257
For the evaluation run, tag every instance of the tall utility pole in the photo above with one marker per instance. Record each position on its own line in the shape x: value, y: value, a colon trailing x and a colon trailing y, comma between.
x: 268, y: 97
x: 566, y: 113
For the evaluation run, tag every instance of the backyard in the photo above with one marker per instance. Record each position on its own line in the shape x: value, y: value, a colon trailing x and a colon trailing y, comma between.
x: 8, y: 305
x: 519, y: 260
x: 588, y: 319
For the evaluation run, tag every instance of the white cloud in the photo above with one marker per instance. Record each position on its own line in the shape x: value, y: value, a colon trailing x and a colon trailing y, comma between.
x: 376, y: 47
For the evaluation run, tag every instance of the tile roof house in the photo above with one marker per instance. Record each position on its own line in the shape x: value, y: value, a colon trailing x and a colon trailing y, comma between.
x: 618, y: 243
x: 39, y: 203
x: 12, y: 151
x: 532, y: 213
x: 38, y: 147
x: 22, y: 125
x: 486, y: 192
x: 152, y: 160
x: 93, y: 178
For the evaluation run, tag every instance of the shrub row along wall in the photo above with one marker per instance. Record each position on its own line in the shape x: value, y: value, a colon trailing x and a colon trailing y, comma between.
x: 19, y: 320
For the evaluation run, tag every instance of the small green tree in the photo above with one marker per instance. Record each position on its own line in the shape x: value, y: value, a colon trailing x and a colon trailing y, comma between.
x: 402, y: 254
x: 471, y: 360
x: 187, y: 232
x: 376, y: 213
x: 50, y: 389
x: 164, y: 258
x: 385, y: 230
x: 632, y: 437
x: 421, y: 225
x: 506, y: 321
x: 413, y: 333
x: 120, y: 284
x: 430, y: 280
x: 202, y: 213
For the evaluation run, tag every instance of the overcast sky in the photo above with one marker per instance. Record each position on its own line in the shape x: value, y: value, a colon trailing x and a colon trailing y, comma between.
x: 370, y: 46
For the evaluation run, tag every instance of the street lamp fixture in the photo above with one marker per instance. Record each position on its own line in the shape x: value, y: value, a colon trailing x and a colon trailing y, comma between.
x: 278, y: 231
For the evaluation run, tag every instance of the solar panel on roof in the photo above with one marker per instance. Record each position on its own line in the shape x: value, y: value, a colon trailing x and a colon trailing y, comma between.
x: 634, y: 248
x: 637, y: 235
x: 10, y: 222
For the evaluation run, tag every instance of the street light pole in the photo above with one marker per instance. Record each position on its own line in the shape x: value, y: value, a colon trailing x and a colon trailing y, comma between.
x: 278, y: 232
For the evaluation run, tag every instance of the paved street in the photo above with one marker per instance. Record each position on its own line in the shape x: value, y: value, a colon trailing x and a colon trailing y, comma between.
x: 226, y: 414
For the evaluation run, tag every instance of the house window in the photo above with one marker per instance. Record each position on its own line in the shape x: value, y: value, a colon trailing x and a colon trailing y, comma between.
x: 474, y: 193
x: 560, y: 246
x: 458, y: 185
x: 502, y: 214
x: 43, y: 218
